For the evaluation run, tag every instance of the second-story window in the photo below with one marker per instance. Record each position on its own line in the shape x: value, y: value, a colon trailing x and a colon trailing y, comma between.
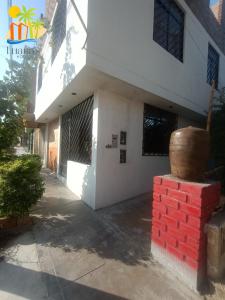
x: 59, y: 28
x: 169, y: 27
x: 40, y: 75
x: 213, y: 66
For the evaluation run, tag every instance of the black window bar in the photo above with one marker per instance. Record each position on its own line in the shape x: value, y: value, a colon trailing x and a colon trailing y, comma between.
x: 59, y: 27
x: 213, y: 66
x: 76, y: 135
x: 169, y: 27
x: 157, y: 128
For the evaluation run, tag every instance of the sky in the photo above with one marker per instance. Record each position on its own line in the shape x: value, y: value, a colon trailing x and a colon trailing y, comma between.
x: 40, y: 8
x: 213, y: 2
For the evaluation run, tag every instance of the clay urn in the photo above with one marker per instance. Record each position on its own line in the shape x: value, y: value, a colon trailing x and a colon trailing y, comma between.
x: 189, y: 153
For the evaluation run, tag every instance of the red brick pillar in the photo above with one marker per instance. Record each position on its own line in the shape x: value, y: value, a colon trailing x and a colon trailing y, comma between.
x: 180, y: 211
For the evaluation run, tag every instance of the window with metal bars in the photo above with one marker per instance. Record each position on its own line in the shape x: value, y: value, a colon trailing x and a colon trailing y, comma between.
x: 213, y: 66
x: 59, y: 27
x: 169, y: 27
x: 157, y: 128
x: 76, y: 134
x: 40, y: 75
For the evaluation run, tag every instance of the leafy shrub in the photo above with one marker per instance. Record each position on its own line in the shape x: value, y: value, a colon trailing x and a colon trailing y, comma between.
x: 11, y: 125
x: 21, y: 184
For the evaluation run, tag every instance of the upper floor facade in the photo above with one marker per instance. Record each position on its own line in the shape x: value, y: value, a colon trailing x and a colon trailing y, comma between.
x: 167, y: 50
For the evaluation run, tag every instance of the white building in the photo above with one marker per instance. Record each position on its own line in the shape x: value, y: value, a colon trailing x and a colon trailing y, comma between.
x: 116, y: 78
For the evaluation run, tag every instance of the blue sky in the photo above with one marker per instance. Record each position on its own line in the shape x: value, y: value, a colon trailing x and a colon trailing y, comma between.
x: 213, y: 2
x: 40, y: 8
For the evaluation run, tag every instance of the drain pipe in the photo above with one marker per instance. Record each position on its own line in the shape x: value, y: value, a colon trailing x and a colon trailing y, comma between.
x: 81, y: 20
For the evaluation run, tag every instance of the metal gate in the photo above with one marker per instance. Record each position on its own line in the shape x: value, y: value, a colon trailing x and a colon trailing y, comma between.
x: 76, y: 135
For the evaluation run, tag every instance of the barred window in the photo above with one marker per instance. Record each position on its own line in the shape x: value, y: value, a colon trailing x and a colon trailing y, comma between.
x: 213, y: 66
x: 59, y: 28
x: 157, y: 128
x: 76, y: 134
x: 169, y: 27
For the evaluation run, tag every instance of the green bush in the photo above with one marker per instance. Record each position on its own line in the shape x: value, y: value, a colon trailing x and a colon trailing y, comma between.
x: 21, y: 184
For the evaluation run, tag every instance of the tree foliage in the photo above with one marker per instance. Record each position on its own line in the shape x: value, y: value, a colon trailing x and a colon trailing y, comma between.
x: 11, y: 125
x: 17, y: 92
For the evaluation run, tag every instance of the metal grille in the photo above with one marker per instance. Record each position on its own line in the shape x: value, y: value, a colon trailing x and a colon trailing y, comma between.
x: 59, y: 27
x: 169, y: 27
x: 213, y: 66
x: 76, y: 135
x: 40, y: 75
x: 157, y: 129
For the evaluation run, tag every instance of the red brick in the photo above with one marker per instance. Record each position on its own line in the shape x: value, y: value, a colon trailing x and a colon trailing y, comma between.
x: 172, y: 241
x: 170, y: 183
x: 196, y: 201
x: 204, y: 201
x: 177, y: 214
x: 162, y: 190
x: 189, y: 251
x: 155, y: 233
x: 190, y: 231
x: 175, y: 252
x: 156, y: 214
x: 170, y: 202
x: 160, y: 206
x: 200, y: 190
x: 177, y: 195
x: 169, y: 221
x: 192, y: 263
x: 191, y: 210
x: 195, y: 222
x: 177, y: 234
x: 160, y: 225
x: 157, y: 180
x: 159, y: 242
x: 156, y: 197
x: 192, y: 188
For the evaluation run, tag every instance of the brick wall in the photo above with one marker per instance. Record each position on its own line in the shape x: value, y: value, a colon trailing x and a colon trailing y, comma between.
x: 180, y: 212
x: 205, y: 15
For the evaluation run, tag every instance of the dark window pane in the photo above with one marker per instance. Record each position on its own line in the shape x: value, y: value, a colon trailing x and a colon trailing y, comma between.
x: 213, y: 66
x: 169, y: 27
x: 40, y: 75
x: 158, y: 126
x: 59, y: 27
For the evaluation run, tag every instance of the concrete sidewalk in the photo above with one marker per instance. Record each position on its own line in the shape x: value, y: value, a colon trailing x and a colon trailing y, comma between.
x: 73, y: 252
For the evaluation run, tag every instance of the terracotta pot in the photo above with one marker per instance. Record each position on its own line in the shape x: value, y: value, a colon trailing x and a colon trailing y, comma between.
x: 189, y: 153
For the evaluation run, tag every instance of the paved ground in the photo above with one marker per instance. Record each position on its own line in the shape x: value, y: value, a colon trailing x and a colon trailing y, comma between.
x: 74, y: 253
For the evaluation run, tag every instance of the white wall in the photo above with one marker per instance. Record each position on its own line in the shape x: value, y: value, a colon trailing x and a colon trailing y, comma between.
x: 69, y: 61
x: 116, y: 182
x: 120, y: 43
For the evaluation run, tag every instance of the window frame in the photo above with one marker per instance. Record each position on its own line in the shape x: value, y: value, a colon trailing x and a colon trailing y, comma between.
x: 209, y: 80
x: 57, y: 37
x: 162, y: 111
x: 166, y: 47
